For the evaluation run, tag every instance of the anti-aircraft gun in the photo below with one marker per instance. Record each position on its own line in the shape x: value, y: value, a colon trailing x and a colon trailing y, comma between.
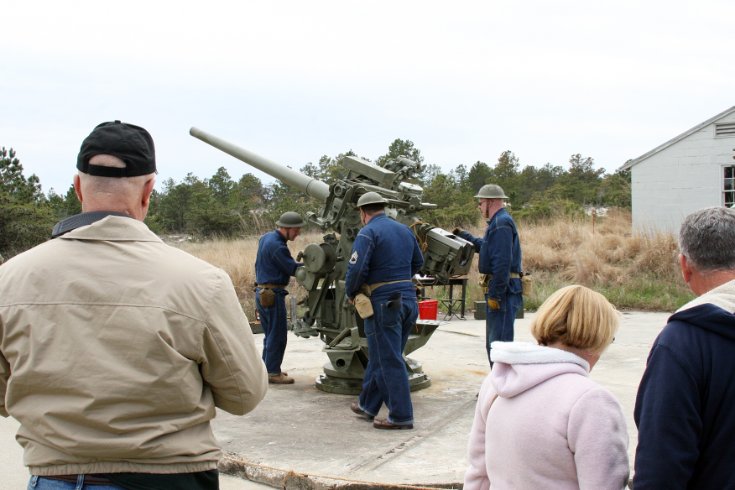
x: 326, y: 313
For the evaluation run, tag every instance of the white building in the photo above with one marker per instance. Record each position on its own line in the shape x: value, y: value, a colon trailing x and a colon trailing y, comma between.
x: 691, y: 171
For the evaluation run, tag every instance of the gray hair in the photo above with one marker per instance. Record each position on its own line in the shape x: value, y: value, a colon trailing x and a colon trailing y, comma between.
x: 707, y: 238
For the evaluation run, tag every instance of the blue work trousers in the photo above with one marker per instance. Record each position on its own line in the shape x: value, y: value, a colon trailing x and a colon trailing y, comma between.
x: 386, y: 376
x: 274, y: 321
x: 499, y: 323
x: 42, y: 483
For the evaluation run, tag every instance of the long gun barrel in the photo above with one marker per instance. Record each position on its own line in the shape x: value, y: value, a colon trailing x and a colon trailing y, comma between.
x: 312, y: 187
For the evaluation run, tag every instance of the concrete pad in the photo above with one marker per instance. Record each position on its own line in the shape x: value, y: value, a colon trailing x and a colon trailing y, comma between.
x: 300, y: 437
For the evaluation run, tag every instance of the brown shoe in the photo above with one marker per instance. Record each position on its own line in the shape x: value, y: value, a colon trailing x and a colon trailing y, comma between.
x: 355, y: 407
x: 385, y: 425
x: 280, y: 379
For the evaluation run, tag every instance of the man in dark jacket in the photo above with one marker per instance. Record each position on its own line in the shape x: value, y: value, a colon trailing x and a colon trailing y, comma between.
x: 686, y: 399
x: 500, y: 264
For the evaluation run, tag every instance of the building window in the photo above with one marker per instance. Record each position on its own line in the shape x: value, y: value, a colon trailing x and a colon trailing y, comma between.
x: 728, y: 188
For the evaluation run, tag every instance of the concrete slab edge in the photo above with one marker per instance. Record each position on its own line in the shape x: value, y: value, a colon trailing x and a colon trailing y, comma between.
x: 234, y: 465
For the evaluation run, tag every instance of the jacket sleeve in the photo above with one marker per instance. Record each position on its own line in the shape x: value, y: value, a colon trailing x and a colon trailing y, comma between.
x: 232, y: 365
x: 666, y: 412
x: 284, y: 261
x: 499, y: 248
x: 598, y: 437
x: 476, y: 478
x: 476, y: 242
x: 357, y: 266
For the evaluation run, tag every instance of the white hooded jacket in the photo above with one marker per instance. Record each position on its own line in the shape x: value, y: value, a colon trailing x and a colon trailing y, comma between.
x: 541, y: 422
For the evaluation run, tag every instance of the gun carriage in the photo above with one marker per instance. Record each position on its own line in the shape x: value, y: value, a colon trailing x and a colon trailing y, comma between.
x: 325, y: 313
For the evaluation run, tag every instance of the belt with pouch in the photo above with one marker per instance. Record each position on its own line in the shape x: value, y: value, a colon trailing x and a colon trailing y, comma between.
x: 372, y: 287
x: 362, y: 299
x: 486, y: 278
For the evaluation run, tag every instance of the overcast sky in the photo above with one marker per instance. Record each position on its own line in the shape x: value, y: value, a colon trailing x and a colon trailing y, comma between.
x: 293, y: 80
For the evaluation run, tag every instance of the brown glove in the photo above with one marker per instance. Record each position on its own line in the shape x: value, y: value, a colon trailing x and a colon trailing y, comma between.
x: 456, y: 231
x: 493, y: 304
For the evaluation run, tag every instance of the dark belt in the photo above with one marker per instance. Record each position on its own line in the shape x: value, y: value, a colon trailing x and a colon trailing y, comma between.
x: 512, y: 275
x: 271, y: 286
x: 88, y: 479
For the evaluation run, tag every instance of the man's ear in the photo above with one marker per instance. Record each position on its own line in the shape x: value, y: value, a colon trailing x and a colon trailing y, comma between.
x: 147, y: 190
x: 686, y: 268
x: 78, y: 188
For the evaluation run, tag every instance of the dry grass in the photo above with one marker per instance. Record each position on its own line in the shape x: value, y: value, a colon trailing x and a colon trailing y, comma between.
x: 633, y: 271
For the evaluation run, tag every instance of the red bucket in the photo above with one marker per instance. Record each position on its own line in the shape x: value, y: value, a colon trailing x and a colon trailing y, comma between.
x: 428, y: 309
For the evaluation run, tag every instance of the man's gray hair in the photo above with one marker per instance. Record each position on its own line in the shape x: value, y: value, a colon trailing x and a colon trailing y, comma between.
x: 707, y: 238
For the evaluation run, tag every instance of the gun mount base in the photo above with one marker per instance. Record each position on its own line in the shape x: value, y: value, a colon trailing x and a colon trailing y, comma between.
x: 353, y: 386
x: 345, y: 369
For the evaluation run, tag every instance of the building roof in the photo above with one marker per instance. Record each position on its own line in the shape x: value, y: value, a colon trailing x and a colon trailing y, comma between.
x: 676, y: 139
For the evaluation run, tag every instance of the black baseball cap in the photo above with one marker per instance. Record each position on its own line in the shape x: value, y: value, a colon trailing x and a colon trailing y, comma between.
x: 131, y: 144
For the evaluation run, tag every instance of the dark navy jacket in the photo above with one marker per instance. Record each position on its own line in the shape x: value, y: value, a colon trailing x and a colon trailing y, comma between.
x: 274, y: 264
x: 500, y: 254
x: 384, y: 250
x: 685, y: 409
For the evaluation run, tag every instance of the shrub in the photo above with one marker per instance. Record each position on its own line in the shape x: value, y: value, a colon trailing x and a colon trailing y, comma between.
x: 633, y: 271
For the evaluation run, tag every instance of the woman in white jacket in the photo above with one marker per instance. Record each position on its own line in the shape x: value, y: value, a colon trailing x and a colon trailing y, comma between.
x: 540, y: 421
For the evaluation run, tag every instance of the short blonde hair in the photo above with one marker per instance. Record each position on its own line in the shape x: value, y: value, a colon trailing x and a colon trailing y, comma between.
x: 577, y: 317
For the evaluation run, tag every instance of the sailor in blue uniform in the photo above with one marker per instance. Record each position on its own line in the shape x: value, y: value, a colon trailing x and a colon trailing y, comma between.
x: 500, y: 261
x: 274, y: 266
x: 385, y: 257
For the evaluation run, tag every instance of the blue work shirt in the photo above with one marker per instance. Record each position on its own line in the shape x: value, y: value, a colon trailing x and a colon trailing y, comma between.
x: 384, y: 250
x: 500, y: 253
x: 273, y: 263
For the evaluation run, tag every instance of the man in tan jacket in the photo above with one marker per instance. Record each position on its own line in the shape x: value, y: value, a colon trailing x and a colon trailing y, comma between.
x: 115, y: 348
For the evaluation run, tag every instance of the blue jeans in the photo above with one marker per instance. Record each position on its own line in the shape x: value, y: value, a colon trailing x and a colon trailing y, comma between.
x: 386, y: 376
x: 274, y: 321
x: 499, y: 323
x: 42, y: 483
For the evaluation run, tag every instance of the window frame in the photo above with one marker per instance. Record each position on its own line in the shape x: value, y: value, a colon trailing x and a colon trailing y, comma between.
x: 728, y: 186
